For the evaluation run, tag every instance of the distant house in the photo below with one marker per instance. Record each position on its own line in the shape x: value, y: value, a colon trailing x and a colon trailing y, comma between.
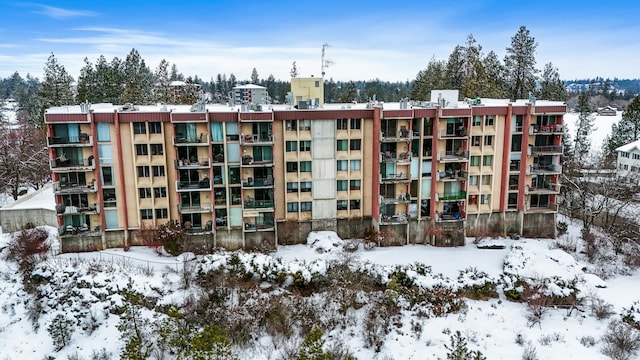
x: 607, y: 111
x: 250, y: 94
x: 628, y: 163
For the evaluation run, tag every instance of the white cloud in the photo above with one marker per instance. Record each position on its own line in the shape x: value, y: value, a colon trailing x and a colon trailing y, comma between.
x: 60, y: 13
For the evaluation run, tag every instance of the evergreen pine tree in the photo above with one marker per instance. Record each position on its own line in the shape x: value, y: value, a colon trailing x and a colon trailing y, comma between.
x: 584, y: 128
x: 520, y: 64
x: 495, y: 76
x: 86, y: 89
x: 551, y: 87
x: 454, y: 72
x: 255, y: 79
x: 311, y: 347
x: 57, y: 87
x: 138, y: 80
x: 626, y: 131
x: 349, y: 94
x: 294, y: 70
x: 162, y: 90
x: 60, y: 329
x: 433, y: 77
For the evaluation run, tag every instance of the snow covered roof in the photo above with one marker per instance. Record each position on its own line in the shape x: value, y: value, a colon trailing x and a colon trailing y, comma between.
x: 630, y: 147
x: 249, y: 86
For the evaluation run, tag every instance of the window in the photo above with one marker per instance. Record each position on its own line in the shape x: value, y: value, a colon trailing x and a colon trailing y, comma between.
x: 305, y: 206
x: 355, y: 124
x: 305, y: 166
x: 109, y: 196
x: 305, y: 186
x: 160, y: 192
x: 516, y: 143
x: 305, y: 125
x: 143, y: 171
x: 162, y: 214
x: 474, y: 161
x: 341, y: 165
x: 486, y: 179
x: 488, y: 140
x: 354, y: 204
x: 354, y: 185
x: 475, y: 141
x: 291, y: 146
x: 158, y: 170
x: 144, y: 193
x: 342, y: 145
x: 342, y: 124
x: 292, y: 207
x: 473, y: 180
x: 317, y: 83
x: 355, y: 144
x: 305, y: 145
x: 485, y: 198
x: 105, y: 154
x: 355, y: 165
x: 636, y: 156
x: 625, y: 167
x: 107, y: 176
x: 488, y: 121
x: 139, y: 128
x: 292, y: 187
x: 341, y: 185
x: 157, y: 149
x: 477, y: 121
x: 341, y: 204
x: 142, y: 149
x: 291, y: 125
x: 146, y: 214
x: 155, y: 128
x: 292, y: 166
x: 487, y: 160
x: 104, y: 133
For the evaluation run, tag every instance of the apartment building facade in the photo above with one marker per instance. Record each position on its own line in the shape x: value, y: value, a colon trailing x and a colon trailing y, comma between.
x: 421, y: 173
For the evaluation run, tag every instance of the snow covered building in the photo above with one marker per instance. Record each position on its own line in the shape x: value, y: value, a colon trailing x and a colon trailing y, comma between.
x: 250, y: 94
x: 426, y: 172
x: 628, y: 163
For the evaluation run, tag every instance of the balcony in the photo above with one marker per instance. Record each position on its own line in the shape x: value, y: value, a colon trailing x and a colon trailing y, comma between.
x: 402, y: 198
x: 544, y: 169
x: 549, y: 188
x: 202, y: 185
x: 547, y: 129
x: 70, y: 141
x: 256, y: 139
x: 251, y: 203
x: 394, y: 178
x: 182, y: 140
x: 548, y: 208
x: 266, y: 182
x: 547, y: 150
x: 194, y: 209
x: 63, y: 164
x: 200, y: 163
x: 395, y: 219
x: 460, y: 155
x: 248, y: 160
x: 403, y: 135
x: 253, y: 227
x: 460, y: 132
x: 402, y: 158
x: 62, y: 209
x: 458, y: 175
x: 60, y: 188
x: 454, y: 196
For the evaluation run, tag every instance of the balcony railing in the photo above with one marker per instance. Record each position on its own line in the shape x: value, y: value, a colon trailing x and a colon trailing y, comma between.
x: 453, y: 196
x: 204, y: 184
x: 547, y: 129
x: 549, y: 188
x: 459, y: 155
x: 79, y: 140
x: 202, y: 139
x: 452, y: 175
x: 190, y: 209
x: 258, y: 182
x: 200, y: 163
x: 397, y: 136
x: 249, y: 160
x: 402, y: 198
x: 71, y: 188
x: 61, y: 162
x: 542, y: 208
x: 62, y: 209
x: 545, y: 169
x: 389, y: 156
x: 251, y: 226
x: 257, y: 204
x: 256, y: 139
x: 394, y: 178
x: 394, y: 219
x: 460, y: 132
x: 547, y: 149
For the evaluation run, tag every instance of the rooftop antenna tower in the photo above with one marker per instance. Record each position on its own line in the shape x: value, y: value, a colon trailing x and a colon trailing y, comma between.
x: 325, y: 63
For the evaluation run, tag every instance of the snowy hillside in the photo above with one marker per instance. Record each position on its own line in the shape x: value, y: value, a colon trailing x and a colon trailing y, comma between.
x: 385, y: 303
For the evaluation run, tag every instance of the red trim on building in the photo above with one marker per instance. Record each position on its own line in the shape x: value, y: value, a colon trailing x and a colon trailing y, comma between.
x: 66, y: 118
x: 188, y: 117
x: 103, y: 118
x: 524, y: 154
x: 375, y: 159
x: 323, y: 114
x: 96, y: 171
x: 456, y: 112
x: 550, y: 109
x: 127, y: 117
x: 223, y: 116
x: 506, y: 159
x: 490, y: 110
x: 255, y: 116
x: 397, y: 114
x: 424, y: 113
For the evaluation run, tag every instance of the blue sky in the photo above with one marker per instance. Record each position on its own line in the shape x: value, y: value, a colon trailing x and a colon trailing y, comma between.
x: 368, y: 39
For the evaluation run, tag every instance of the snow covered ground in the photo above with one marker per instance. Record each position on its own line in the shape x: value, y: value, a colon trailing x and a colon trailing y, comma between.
x: 499, y: 328
x: 602, y: 127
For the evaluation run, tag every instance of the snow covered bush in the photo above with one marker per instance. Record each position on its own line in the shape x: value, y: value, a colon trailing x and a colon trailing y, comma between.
x: 476, y: 284
x: 631, y: 315
x: 621, y: 341
x: 60, y: 330
x: 459, y: 350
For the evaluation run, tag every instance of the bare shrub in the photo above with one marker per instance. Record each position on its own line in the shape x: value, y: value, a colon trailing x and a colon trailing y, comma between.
x: 600, y: 309
x: 149, y: 235
x: 587, y: 341
x: 529, y: 353
x: 621, y: 341
x: 27, y: 247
